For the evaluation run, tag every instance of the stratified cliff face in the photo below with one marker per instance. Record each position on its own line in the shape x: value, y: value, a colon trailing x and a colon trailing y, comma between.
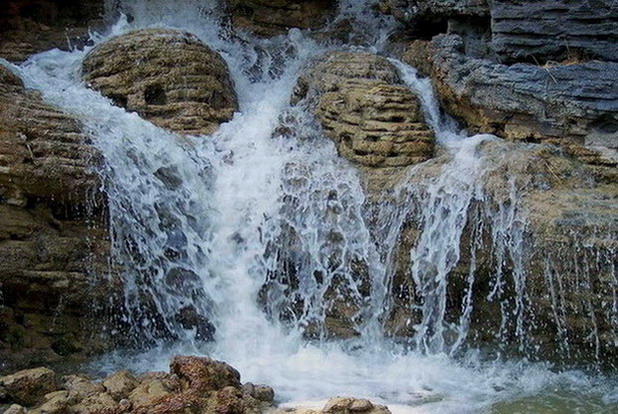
x: 534, y: 71
x: 33, y: 26
x: 530, y: 31
x: 542, y: 73
x: 554, y: 30
x: 53, y: 237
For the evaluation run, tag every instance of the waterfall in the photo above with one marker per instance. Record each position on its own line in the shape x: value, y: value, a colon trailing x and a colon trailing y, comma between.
x: 262, y: 234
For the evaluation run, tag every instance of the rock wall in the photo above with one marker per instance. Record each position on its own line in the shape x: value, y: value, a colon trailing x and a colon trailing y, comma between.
x: 53, y: 236
x: 270, y: 18
x: 575, y: 106
x: 541, y: 31
x: 508, y: 68
x: 32, y: 26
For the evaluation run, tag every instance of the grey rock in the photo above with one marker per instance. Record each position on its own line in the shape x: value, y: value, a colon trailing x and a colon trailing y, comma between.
x: 530, y: 31
x: 574, y: 106
x: 555, y: 29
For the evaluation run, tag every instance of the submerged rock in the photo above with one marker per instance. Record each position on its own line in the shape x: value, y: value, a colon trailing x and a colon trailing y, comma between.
x: 270, y: 18
x: 169, y: 77
x: 364, y: 107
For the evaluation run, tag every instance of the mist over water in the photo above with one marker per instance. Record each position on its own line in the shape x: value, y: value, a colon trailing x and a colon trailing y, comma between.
x: 205, y: 222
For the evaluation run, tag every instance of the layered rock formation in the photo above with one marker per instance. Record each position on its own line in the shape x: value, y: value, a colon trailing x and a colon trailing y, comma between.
x: 555, y: 30
x: 194, y: 384
x: 535, y: 32
x: 571, y: 103
x: 53, y: 238
x: 364, y: 107
x: 33, y: 26
x: 168, y: 77
x: 270, y: 18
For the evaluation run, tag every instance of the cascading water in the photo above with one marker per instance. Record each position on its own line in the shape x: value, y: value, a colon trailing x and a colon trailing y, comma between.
x: 263, y: 234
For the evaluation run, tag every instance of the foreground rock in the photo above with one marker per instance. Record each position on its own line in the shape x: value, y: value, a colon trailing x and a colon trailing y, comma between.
x: 53, y: 237
x: 364, y: 107
x: 30, y: 386
x: 269, y: 18
x: 33, y: 26
x: 170, y: 78
x: 341, y: 405
x: 194, y: 384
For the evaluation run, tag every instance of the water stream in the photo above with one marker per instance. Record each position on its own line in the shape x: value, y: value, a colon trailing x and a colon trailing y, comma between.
x: 205, y: 223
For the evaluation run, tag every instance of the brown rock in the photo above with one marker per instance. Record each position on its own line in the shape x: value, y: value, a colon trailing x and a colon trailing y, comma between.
x: 120, y: 384
x: 169, y: 77
x: 96, y: 404
x: 341, y: 405
x: 259, y: 392
x: 204, y: 374
x: 15, y: 409
x: 152, y: 388
x: 28, y: 387
x: 38, y: 142
x: 57, y: 402
x: 80, y: 387
x: 567, y: 223
x: 364, y: 107
x: 270, y: 18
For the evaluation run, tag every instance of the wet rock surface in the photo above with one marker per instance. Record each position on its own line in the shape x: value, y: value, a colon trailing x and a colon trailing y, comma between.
x: 168, y: 77
x: 560, y: 209
x: 33, y: 26
x: 53, y: 237
x: 270, y: 18
x: 363, y: 106
x: 194, y: 384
